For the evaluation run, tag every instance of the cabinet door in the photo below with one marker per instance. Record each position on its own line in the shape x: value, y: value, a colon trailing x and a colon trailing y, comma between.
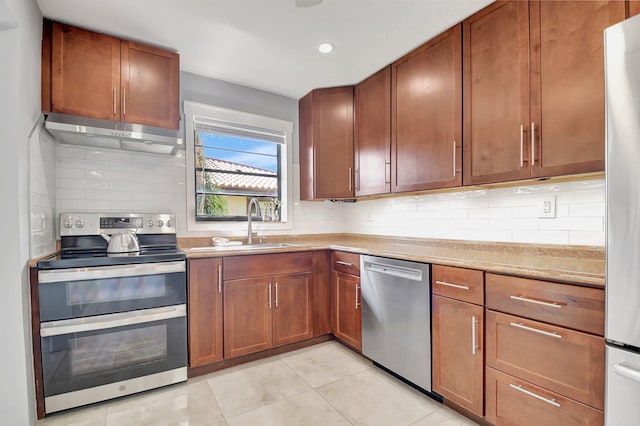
x: 333, y: 142
x: 247, y: 316
x: 205, y: 311
x: 150, y: 86
x: 372, y: 151
x: 347, y: 314
x: 458, y: 352
x: 633, y: 8
x: 567, y: 84
x: 496, y: 93
x: 426, y: 115
x: 85, y: 73
x: 292, y: 319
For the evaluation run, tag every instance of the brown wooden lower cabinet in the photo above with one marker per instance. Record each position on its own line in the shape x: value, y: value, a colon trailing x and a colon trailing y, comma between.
x: 205, y: 311
x: 291, y: 307
x: 561, y: 360
x: 457, y: 348
x: 347, y: 316
x: 511, y: 401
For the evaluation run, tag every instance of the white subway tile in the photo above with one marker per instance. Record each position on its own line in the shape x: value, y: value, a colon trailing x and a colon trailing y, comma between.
x: 130, y: 205
x: 108, y: 155
x: 71, y: 194
x: 132, y: 186
x: 64, y: 172
x: 489, y: 235
x: 541, y: 237
x: 488, y: 213
x: 469, y: 224
x: 587, y: 238
x: 469, y: 203
x: 574, y: 197
x: 451, y: 214
x: 572, y: 224
x: 591, y: 210
x: 63, y: 205
x: 513, y: 224
x: 70, y: 151
x: 109, y: 195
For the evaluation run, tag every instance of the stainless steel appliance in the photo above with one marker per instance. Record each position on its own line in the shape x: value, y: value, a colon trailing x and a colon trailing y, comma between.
x: 396, y: 317
x: 71, y: 129
x: 111, y: 324
x: 622, y: 320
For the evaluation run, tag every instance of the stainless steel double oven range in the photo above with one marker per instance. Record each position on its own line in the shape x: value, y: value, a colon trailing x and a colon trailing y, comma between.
x: 111, y: 324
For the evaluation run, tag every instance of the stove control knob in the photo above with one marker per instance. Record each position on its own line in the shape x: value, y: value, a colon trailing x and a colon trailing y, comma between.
x: 80, y: 223
x: 150, y: 224
x: 170, y: 223
x: 68, y: 223
x: 160, y: 223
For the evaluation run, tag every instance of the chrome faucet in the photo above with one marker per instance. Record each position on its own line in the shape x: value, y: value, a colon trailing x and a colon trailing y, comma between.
x: 252, y: 202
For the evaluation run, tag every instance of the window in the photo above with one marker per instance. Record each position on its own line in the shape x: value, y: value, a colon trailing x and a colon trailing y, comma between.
x: 233, y: 157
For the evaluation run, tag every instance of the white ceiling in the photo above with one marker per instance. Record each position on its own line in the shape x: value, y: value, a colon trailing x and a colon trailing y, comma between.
x: 271, y: 44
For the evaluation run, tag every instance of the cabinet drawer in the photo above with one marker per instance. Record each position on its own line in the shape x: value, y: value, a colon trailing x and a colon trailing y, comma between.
x: 561, y: 360
x: 348, y: 263
x: 458, y: 283
x: 235, y: 267
x: 581, y: 308
x: 510, y: 401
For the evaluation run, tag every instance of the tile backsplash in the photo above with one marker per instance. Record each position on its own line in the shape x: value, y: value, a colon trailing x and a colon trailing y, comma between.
x: 42, y: 196
x: 496, y: 214
x: 90, y: 179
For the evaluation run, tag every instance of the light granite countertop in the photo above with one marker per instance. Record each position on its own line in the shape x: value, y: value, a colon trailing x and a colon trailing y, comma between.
x: 584, y: 265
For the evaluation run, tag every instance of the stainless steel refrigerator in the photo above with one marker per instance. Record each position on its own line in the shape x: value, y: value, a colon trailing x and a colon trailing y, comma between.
x: 622, y: 321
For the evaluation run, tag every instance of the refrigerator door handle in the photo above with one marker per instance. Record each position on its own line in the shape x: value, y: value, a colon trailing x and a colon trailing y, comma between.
x: 627, y: 372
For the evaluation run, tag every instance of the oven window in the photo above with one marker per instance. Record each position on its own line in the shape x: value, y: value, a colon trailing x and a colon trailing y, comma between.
x: 115, y: 289
x: 116, y: 349
x: 84, y: 360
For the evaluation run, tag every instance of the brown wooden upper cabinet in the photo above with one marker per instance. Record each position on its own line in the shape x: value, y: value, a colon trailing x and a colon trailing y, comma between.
x: 94, y: 75
x: 534, y: 89
x: 633, y: 8
x: 326, y: 144
x: 426, y: 115
x: 372, y: 134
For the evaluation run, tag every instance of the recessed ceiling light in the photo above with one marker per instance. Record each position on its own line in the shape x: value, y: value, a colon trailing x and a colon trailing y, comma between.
x: 325, y: 47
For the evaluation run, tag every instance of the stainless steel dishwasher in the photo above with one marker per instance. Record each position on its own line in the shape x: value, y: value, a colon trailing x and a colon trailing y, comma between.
x: 396, y: 317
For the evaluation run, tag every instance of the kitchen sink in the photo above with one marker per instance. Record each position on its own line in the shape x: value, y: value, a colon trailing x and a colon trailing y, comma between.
x: 244, y: 247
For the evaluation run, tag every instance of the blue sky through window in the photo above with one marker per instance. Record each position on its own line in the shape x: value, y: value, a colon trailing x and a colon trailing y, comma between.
x: 250, y: 152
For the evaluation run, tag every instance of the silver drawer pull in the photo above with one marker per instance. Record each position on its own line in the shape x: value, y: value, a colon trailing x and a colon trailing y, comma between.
x: 463, y: 287
x: 537, y: 302
x: 340, y: 262
x: 535, y: 330
x: 519, y: 388
x: 627, y: 372
x: 474, y: 345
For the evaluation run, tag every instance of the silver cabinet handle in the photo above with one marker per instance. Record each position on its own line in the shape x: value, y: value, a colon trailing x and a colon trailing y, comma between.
x: 269, y: 295
x: 474, y: 345
x: 519, y: 388
x: 463, y: 287
x: 357, y: 294
x: 357, y: 173
x: 454, y: 158
x: 533, y: 143
x: 124, y: 101
x: 276, y: 294
x: 627, y: 372
x: 537, y: 302
x: 220, y: 278
x: 114, y: 100
x: 341, y: 262
x: 522, y: 145
x: 535, y: 330
x: 387, y: 166
x: 350, y: 178
x: 102, y: 322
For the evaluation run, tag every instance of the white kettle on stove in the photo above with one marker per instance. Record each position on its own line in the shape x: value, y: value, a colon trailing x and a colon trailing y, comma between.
x: 122, y: 242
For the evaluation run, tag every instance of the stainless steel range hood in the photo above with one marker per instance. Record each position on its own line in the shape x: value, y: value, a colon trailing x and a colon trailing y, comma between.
x: 76, y: 130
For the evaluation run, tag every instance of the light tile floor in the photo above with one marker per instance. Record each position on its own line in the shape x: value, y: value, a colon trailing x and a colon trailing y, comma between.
x: 325, y: 384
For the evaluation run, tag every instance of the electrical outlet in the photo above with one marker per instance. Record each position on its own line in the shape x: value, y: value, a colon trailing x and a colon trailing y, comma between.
x: 547, y: 207
x: 369, y: 215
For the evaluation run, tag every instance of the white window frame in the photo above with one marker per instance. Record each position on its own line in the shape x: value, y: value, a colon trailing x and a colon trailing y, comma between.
x: 192, y: 109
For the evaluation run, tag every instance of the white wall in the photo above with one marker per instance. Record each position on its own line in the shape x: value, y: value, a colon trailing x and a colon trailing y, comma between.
x: 499, y: 214
x: 20, y: 31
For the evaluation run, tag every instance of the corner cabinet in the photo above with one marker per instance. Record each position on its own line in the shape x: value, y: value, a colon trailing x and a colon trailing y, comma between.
x: 346, y: 319
x: 205, y: 311
x: 426, y: 115
x: 534, y: 89
x: 458, y: 329
x: 372, y: 151
x: 94, y: 75
x: 267, y: 301
x: 326, y: 144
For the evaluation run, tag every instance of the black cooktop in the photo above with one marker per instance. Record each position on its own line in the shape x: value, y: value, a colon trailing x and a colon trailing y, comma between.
x: 88, y: 251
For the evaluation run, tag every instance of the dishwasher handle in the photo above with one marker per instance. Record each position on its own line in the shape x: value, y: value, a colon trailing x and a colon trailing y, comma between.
x: 395, y: 271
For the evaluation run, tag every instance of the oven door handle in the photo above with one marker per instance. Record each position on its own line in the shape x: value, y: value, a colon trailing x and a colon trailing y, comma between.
x: 101, y: 322
x: 103, y: 272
